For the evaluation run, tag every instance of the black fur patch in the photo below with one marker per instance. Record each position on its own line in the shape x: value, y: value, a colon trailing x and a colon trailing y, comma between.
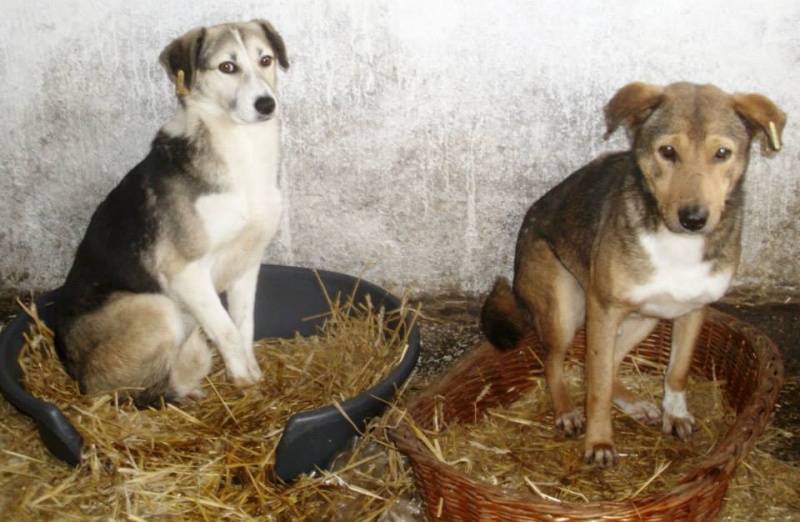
x: 121, y: 232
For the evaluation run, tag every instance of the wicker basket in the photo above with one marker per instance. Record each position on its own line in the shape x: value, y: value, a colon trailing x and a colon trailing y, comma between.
x: 741, y: 355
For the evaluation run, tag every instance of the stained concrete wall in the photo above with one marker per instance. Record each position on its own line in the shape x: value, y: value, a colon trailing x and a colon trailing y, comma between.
x: 417, y: 132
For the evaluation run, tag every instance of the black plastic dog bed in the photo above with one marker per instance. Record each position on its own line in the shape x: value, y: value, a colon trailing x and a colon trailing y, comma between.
x: 285, y: 298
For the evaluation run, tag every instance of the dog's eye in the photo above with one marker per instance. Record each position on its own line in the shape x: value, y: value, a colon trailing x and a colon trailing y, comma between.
x: 668, y: 152
x: 228, y: 67
x: 265, y: 61
x: 723, y: 153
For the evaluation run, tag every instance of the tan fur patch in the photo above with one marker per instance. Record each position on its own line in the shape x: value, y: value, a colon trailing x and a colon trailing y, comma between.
x: 125, y: 353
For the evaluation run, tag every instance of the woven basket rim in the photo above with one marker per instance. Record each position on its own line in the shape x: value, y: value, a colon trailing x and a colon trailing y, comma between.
x: 714, y: 471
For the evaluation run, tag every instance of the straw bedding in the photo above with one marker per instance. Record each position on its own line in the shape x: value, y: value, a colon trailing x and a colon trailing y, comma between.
x: 731, y: 360
x: 518, y: 448
x: 211, y: 460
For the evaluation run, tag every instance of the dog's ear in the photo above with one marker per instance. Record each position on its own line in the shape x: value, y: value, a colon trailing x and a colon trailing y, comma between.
x: 631, y: 105
x: 180, y: 59
x: 761, y: 114
x: 276, y: 42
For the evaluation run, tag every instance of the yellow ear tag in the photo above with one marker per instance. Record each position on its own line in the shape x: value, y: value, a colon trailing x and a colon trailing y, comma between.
x: 180, y: 86
x: 774, y: 139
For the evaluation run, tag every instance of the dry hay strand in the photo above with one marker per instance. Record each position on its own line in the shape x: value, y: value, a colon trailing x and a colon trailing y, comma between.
x: 209, y: 460
x: 518, y: 447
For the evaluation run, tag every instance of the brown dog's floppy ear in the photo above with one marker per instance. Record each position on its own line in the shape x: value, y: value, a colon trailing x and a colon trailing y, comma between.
x: 761, y: 114
x: 180, y: 59
x: 276, y: 42
x: 631, y: 105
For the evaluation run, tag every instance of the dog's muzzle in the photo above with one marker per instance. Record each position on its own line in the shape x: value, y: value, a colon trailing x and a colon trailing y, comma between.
x: 693, y: 218
x: 265, y: 105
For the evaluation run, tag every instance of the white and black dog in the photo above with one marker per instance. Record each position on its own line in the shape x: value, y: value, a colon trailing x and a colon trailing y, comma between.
x: 191, y: 221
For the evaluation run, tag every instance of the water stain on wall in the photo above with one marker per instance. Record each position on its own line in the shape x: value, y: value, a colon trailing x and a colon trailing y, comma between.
x: 416, y: 133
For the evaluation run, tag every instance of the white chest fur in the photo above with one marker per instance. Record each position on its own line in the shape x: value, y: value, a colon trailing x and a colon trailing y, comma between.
x: 681, y: 280
x: 248, y: 170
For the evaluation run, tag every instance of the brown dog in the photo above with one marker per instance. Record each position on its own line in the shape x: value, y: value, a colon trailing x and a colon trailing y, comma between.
x: 631, y: 238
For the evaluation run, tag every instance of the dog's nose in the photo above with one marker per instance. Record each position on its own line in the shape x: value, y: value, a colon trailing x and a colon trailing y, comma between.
x: 693, y: 218
x: 265, y: 105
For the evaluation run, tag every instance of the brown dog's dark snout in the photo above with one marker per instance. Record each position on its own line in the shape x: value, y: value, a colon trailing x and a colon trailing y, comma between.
x: 693, y: 218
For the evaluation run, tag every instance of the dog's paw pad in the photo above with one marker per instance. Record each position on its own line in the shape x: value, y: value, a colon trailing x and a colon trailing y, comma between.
x: 680, y: 427
x: 601, y: 455
x: 570, y: 423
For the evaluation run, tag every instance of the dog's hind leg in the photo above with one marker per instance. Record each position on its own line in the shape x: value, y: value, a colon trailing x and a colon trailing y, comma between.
x: 633, y: 330
x: 191, y: 365
x: 556, y: 302
x: 677, y: 420
x: 136, y: 337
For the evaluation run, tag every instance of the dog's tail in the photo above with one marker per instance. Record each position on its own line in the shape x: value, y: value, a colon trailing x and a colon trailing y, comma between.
x: 503, y: 321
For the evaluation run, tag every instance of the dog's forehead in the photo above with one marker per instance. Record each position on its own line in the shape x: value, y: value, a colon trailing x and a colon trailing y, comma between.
x: 698, y: 111
x: 687, y: 100
x: 229, y: 39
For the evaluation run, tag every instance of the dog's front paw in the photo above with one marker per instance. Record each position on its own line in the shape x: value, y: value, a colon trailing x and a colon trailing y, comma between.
x: 242, y: 380
x: 248, y: 375
x: 677, y: 419
x: 600, y: 454
x: 252, y: 366
x: 255, y: 370
x: 570, y: 423
x: 680, y: 427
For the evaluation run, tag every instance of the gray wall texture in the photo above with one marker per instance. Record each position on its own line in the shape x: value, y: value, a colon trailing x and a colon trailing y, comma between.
x: 416, y: 132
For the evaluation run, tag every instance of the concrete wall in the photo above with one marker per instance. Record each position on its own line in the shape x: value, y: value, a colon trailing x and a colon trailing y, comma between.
x: 417, y: 132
